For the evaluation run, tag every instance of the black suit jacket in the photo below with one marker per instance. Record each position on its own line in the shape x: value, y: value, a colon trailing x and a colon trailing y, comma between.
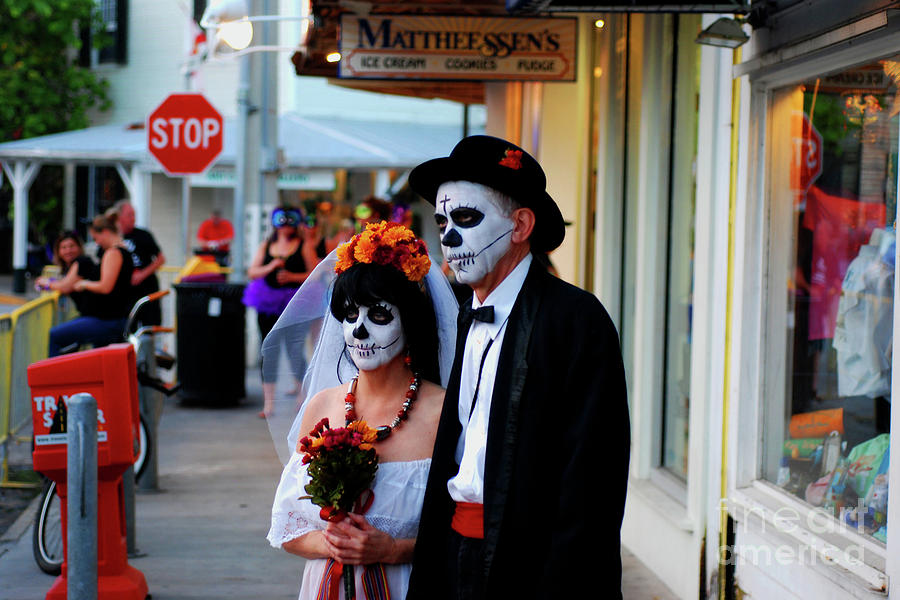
x: 556, y: 464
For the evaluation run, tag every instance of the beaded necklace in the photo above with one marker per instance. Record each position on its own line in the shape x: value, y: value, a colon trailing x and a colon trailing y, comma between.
x: 385, y: 430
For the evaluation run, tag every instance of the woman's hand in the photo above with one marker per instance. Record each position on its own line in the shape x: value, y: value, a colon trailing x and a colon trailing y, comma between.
x: 284, y: 276
x: 275, y: 263
x: 80, y: 285
x: 42, y: 283
x: 353, y: 541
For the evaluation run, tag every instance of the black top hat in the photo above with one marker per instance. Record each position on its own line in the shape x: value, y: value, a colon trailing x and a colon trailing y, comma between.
x: 505, y: 167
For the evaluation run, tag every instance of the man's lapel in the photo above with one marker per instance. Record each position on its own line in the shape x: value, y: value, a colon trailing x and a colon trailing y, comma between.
x: 449, y: 428
x: 507, y: 394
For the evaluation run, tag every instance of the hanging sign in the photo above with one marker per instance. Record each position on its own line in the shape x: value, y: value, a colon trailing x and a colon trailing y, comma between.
x: 224, y: 177
x: 457, y: 47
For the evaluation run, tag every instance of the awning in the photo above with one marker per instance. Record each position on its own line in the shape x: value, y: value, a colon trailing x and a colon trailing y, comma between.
x: 307, y: 143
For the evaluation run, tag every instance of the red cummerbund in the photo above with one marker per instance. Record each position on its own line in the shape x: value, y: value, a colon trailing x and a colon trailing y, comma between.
x: 468, y: 520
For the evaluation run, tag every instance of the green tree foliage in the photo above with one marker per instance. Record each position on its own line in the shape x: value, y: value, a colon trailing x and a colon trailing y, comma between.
x: 43, y: 90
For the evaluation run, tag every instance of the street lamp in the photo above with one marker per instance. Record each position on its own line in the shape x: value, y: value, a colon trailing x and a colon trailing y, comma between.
x: 230, y: 21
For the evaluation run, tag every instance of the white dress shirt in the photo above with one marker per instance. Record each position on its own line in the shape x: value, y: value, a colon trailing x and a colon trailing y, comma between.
x: 468, y: 484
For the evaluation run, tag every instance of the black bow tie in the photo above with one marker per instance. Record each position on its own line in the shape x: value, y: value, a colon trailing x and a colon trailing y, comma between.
x: 485, y: 314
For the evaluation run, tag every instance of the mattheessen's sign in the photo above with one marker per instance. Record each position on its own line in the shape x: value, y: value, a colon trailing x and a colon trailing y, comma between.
x: 453, y: 47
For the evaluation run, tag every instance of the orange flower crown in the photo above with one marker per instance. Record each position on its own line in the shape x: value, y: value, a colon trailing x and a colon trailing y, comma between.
x: 389, y: 244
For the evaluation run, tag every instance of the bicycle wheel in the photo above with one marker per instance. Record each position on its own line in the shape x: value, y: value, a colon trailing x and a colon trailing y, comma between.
x: 47, y: 536
x: 146, y: 447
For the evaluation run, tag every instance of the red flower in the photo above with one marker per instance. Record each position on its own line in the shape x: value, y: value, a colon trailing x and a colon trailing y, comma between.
x: 330, y: 513
x: 512, y: 159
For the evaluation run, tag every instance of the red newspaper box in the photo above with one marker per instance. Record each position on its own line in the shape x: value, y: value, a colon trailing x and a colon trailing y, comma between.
x: 109, y: 375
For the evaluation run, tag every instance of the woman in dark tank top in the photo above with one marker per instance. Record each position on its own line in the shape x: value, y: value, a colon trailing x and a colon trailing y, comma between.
x: 108, y: 299
x: 281, y: 264
x: 74, y: 265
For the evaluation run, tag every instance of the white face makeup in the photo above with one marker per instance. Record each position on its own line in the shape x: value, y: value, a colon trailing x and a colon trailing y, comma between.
x: 373, y: 334
x: 475, y: 232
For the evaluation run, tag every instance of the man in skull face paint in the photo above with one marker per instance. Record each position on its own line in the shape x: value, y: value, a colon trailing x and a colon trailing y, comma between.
x: 527, y: 485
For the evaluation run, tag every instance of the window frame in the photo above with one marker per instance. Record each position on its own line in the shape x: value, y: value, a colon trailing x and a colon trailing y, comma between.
x: 758, y: 358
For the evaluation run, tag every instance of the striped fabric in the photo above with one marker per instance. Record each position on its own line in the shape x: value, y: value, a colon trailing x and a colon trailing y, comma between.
x: 374, y: 582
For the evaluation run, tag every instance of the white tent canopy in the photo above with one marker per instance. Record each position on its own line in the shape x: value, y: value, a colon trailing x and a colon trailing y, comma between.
x: 304, y: 143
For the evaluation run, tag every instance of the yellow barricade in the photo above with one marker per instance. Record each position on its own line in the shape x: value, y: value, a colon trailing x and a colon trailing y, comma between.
x: 6, y: 351
x: 24, y: 337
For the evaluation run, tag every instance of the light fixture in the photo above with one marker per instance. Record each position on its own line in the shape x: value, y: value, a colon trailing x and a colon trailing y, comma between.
x: 599, y: 23
x: 333, y: 57
x: 230, y: 19
x: 237, y: 34
x: 724, y: 33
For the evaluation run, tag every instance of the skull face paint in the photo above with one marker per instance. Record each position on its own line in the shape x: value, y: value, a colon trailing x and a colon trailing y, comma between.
x: 475, y: 229
x: 373, y: 334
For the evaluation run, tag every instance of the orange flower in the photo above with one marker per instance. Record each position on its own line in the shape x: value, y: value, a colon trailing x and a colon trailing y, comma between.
x: 386, y: 243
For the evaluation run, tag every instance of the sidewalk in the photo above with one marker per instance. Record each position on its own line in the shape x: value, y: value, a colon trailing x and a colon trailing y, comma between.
x: 203, y: 535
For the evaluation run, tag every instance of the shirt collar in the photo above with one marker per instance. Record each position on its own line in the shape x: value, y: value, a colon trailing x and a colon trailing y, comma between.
x: 503, y: 297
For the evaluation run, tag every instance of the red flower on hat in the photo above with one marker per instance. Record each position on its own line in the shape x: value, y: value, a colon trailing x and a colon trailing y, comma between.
x: 512, y: 159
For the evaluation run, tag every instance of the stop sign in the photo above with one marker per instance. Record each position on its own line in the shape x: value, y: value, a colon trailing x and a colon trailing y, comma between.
x: 806, y: 153
x: 185, y: 134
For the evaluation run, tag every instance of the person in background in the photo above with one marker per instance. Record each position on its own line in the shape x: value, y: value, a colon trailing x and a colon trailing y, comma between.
x: 335, y: 227
x: 216, y: 232
x: 147, y: 258
x: 372, y: 210
x: 109, y: 299
x: 74, y: 265
x: 281, y: 264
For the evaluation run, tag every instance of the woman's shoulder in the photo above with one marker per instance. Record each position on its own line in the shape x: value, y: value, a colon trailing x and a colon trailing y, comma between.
x: 324, y: 403
x: 430, y: 399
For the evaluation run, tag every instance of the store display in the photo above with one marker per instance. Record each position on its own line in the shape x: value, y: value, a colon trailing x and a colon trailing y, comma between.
x: 863, y: 332
x: 817, y: 423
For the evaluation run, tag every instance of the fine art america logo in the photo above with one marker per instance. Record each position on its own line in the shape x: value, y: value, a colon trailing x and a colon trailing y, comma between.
x: 474, y: 48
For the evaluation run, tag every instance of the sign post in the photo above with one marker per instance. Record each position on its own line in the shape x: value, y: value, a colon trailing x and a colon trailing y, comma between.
x: 185, y: 134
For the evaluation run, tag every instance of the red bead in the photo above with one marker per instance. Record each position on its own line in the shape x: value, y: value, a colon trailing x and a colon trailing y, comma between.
x: 407, y: 360
x: 403, y: 415
x: 351, y: 416
x: 411, y: 394
x: 350, y: 398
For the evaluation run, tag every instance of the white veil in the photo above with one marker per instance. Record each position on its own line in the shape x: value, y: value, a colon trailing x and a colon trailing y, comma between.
x: 307, y: 320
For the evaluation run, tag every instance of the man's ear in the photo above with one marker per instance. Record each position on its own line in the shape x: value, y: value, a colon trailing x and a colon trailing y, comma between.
x: 523, y: 224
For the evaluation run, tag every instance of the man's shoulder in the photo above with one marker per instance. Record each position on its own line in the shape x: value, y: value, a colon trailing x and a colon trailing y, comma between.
x: 138, y: 234
x: 562, y: 301
x: 564, y: 293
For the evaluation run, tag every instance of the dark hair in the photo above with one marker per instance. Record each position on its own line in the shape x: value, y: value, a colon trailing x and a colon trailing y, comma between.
x: 65, y: 235
x: 365, y: 284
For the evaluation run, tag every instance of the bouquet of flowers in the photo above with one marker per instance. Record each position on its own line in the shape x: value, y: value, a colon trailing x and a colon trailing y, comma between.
x: 342, y: 465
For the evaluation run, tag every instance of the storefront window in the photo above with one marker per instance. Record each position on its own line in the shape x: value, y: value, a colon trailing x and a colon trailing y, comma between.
x: 833, y: 168
x: 680, y: 252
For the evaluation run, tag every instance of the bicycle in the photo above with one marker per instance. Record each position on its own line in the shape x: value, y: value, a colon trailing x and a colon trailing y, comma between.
x: 47, y: 542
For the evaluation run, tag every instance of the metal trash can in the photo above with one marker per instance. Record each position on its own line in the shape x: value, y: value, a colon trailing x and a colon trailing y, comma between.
x: 211, y: 356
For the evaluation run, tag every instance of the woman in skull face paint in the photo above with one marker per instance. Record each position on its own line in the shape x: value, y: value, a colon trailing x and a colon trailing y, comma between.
x: 388, y: 330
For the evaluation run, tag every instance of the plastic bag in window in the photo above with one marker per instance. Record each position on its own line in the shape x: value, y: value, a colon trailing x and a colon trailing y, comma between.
x: 865, y: 462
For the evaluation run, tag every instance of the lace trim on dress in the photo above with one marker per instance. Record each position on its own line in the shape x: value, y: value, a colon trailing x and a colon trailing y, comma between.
x: 287, y: 526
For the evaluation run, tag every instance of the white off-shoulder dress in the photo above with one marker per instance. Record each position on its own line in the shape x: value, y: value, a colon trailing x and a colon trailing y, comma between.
x: 399, y: 490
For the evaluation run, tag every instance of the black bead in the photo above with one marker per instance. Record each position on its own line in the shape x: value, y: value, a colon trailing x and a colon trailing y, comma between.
x: 382, y: 432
